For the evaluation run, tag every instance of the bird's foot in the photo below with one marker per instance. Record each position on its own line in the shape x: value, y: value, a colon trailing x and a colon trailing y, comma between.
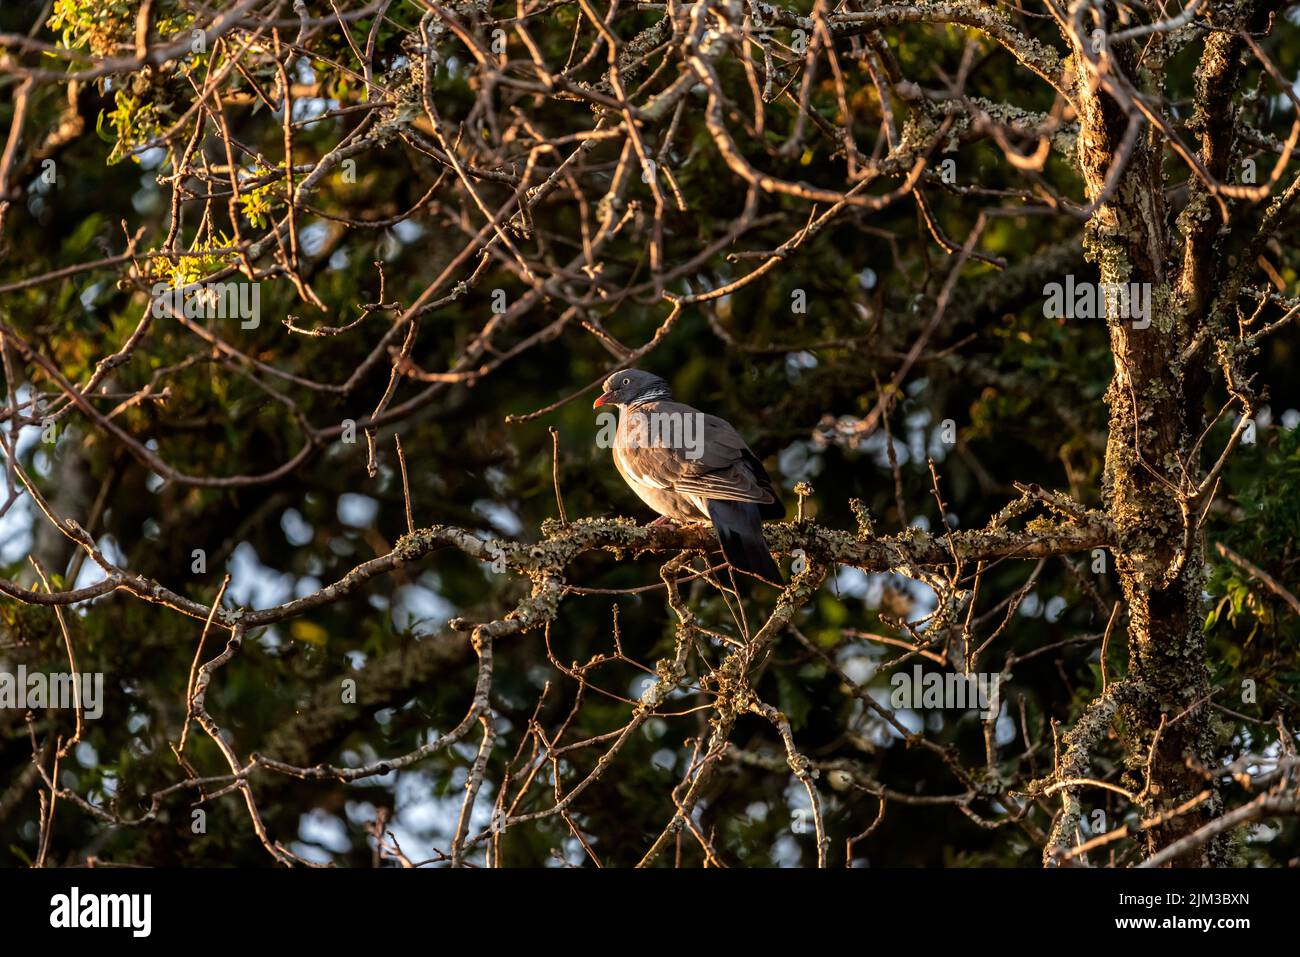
x: 661, y: 521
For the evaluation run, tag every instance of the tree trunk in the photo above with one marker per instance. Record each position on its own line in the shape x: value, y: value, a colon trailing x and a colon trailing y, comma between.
x: 1156, y: 418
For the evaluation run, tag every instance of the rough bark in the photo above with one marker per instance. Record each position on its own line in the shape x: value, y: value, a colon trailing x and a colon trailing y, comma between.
x: 1156, y: 403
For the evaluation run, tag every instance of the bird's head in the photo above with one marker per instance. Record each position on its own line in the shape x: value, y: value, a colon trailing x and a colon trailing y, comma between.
x: 629, y: 386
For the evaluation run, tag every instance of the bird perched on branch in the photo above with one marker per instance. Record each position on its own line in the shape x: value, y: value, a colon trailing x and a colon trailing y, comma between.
x: 689, y: 467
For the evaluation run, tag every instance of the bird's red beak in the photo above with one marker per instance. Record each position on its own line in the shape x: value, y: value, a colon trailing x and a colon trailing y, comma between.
x: 602, y: 399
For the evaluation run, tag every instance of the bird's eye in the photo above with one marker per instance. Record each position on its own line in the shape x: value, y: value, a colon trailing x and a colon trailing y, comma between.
x: 627, y: 381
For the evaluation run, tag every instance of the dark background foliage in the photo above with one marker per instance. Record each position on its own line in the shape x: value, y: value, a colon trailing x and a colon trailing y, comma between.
x: 1024, y: 393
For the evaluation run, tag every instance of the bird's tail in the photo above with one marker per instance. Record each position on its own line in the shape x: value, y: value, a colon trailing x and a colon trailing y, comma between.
x: 740, y: 533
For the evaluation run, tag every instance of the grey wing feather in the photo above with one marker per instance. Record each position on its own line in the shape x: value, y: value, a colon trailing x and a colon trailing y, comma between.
x: 719, y: 472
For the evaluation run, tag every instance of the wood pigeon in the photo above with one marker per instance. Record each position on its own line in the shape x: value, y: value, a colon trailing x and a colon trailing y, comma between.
x: 690, y: 466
